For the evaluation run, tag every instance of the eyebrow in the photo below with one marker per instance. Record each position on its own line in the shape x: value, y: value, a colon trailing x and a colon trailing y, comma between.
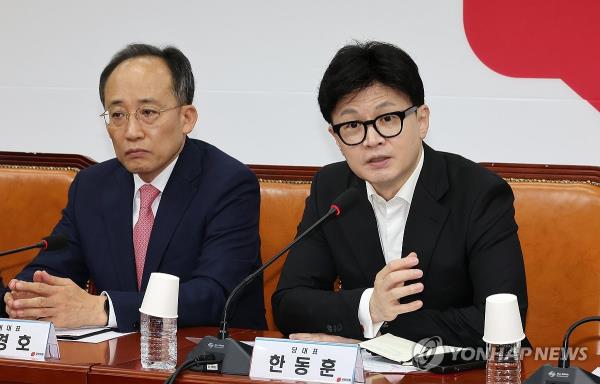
x: 348, y: 111
x: 142, y: 101
x: 148, y: 100
x: 351, y: 110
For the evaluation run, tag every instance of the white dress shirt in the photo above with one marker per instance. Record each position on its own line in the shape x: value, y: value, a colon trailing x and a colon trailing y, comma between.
x: 391, y: 218
x: 159, y: 182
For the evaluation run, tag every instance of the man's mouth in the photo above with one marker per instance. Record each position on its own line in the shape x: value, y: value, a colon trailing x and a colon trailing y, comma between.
x: 377, y: 160
x: 135, y: 152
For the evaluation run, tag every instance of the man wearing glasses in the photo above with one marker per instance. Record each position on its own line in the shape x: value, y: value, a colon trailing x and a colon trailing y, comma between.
x: 167, y: 203
x: 430, y: 237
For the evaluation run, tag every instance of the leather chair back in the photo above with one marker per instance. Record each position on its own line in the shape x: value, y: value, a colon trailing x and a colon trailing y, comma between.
x: 559, y: 225
x: 281, y: 208
x: 31, y: 201
x: 557, y: 210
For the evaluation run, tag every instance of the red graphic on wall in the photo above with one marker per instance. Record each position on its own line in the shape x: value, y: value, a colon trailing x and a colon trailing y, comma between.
x: 539, y: 39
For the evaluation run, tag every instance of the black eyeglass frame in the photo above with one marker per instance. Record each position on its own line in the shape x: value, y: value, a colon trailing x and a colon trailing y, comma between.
x: 401, y: 114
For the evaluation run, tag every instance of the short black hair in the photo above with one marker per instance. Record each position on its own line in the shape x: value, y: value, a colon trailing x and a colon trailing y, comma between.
x: 360, y: 65
x: 179, y: 65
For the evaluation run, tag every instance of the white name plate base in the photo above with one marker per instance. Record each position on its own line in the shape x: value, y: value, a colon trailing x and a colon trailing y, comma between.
x: 284, y: 359
x: 28, y: 340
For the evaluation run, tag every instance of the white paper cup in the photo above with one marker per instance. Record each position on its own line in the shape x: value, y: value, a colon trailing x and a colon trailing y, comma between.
x: 162, y: 296
x: 502, y: 320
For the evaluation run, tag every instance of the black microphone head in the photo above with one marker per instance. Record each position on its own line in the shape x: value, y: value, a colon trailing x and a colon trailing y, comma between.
x: 345, y: 200
x: 55, y: 242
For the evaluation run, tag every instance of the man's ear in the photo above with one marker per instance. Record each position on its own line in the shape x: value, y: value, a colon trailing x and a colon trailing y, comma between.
x: 330, y: 130
x: 423, y: 120
x: 335, y: 137
x: 189, y: 116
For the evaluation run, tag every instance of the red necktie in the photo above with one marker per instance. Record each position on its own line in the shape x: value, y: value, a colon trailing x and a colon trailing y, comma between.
x: 143, y: 228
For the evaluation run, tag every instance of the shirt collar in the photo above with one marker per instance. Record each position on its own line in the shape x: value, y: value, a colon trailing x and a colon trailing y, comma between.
x: 407, y: 191
x: 160, y: 181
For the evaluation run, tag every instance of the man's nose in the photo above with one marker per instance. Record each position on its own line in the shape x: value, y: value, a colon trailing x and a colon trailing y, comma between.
x: 133, y: 129
x: 372, y: 137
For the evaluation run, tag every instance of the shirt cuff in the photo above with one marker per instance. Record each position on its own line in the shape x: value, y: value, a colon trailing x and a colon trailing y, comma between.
x: 112, y: 318
x: 370, y: 330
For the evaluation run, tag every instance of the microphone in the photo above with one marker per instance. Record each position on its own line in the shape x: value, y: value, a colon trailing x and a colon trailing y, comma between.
x: 564, y: 373
x: 48, y: 243
x: 235, y: 356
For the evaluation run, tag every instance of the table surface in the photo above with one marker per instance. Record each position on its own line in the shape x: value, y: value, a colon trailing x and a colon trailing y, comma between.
x: 118, y: 361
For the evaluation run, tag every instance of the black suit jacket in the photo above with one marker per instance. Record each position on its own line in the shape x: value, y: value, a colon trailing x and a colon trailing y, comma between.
x: 461, y: 225
x: 205, y: 232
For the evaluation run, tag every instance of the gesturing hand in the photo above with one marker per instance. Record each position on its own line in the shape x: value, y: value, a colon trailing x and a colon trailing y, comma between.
x: 390, y: 286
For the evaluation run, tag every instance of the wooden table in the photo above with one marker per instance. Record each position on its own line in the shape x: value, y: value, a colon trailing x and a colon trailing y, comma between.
x: 128, y: 370
x: 118, y: 361
x: 73, y: 366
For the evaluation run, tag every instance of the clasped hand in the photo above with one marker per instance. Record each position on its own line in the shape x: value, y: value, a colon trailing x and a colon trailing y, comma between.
x: 54, y: 299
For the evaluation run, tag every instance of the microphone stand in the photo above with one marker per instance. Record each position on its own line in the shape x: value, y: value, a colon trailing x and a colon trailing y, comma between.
x: 564, y: 373
x: 235, y: 356
x: 48, y: 243
x: 41, y: 244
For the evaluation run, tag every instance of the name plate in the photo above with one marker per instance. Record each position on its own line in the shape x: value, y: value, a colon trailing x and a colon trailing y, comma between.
x: 284, y: 359
x: 28, y: 340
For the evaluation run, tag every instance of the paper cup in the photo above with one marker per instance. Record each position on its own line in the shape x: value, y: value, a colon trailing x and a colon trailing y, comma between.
x: 162, y: 295
x: 502, y: 320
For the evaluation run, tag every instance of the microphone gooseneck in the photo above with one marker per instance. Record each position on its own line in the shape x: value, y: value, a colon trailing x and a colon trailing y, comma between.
x: 340, y: 204
x: 564, y: 361
x: 48, y: 243
x: 564, y: 373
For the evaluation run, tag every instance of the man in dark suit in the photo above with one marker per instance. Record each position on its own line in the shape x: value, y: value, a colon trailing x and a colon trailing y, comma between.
x: 167, y: 203
x: 430, y: 237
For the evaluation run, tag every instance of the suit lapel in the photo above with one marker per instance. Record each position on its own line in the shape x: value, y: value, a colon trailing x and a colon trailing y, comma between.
x: 178, y: 193
x: 118, y: 213
x: 426, y: 216
x: 359, y: 227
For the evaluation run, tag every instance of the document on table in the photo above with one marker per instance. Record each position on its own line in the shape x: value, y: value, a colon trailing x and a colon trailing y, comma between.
x: 402, y: 350
x: 380, y: 364
x: 88, y: 335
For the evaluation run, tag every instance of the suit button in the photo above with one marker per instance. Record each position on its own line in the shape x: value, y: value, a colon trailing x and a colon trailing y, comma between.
x: 136, y: 325
x: 329, y: 328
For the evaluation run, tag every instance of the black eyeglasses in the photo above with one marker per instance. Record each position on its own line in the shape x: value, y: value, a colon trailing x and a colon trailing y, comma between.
x: 386, y: 125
